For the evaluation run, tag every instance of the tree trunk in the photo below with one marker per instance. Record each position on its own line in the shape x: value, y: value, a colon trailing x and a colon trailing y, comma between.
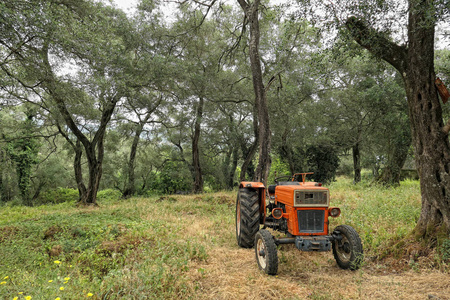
x: 233, y: 167
x: 130, y: 189
x: 430, y: 137
x: 94, y: 149
x: 396, y: 160
x: 356, y: 163
x: 432, y: 150
x: 2, y: 190
x: 249, y: 153
x: 229, y: 167
x: 198, y: 177
x: 78, y: 171
x: 264, y: 135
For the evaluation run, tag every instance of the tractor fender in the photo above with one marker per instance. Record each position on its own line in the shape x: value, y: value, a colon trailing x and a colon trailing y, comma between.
x: 250, y: 184
x: 259, y: 186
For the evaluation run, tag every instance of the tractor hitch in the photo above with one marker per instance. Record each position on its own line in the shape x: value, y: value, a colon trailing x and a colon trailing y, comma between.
x: 316, y: 243
x: 305, y: 243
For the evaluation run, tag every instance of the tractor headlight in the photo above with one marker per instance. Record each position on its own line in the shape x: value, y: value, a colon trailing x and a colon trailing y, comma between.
x: 334, y: 212
x: 277, y: 213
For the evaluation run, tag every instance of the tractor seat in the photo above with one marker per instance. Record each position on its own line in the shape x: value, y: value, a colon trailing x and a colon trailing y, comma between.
x: 273, y: 186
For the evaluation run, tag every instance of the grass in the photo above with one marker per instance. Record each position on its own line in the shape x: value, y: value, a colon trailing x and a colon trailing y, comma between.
x: 184, y: 247
x: 380, y: 215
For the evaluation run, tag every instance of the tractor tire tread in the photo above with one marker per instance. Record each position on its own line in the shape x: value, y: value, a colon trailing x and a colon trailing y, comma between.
x: 250, y: 215
x: 357, y: 255
x: 271, y: 249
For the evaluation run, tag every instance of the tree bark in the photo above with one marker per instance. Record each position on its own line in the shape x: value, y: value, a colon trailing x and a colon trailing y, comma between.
x: 130, y: 187
x: 396, y: 160
x: 78, y: 171
x: 78, y: 149
x: 431, y: 143
x: 251, y: 11
x: 2, y: 189
x: 356, y: 163
x: 198, y: 177
x: 233, y: 167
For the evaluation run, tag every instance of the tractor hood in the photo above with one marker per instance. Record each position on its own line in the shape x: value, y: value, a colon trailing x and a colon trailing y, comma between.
x: 298, y: 194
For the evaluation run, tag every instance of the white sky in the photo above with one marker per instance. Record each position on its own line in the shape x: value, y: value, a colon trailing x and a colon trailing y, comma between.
x: 125, y: 5
x: 442, y: 43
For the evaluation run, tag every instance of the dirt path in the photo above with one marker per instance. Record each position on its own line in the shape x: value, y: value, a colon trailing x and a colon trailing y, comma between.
x: 232, y: 273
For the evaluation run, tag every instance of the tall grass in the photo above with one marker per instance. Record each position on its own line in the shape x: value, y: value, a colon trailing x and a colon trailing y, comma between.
x: 380, y: 215
x: 131, y: 249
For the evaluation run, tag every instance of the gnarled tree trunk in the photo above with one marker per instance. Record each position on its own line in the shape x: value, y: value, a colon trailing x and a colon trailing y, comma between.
x: 430, y: 137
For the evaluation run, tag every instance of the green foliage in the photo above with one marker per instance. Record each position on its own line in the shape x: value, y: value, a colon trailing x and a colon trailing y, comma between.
x: 323, y: 161
x: 56, y: 196
x: 23, y: 150
x: 109, y: 195
x: 444, y: 250
x: 279, y: 168
x: 172, y: 178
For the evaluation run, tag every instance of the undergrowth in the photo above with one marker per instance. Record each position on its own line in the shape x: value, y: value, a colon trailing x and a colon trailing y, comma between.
x: 147, y: 246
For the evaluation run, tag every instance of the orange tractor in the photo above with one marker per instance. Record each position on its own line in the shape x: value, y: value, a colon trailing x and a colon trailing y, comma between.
x: 299, y: 209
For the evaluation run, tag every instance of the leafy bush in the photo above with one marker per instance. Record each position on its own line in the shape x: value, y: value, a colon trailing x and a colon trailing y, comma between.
x: 323, y: 161
x: 59, y: 195
x: 444, y: 250
x: 109, y: 194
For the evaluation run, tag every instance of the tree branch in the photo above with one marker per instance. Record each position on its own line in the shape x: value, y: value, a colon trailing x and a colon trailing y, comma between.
x: 377, y: 44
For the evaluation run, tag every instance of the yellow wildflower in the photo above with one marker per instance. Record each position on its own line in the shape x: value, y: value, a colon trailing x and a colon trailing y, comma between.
x: 20, y: 293
x: 3, y: 282
x: 90, y: 294
x: 15, y: 298
x: 61, y: 288
x: 67, y: 278
x: 57, y: 298
x: 6, y: 277
x: 57, y: 262
x: 28, y: 298
x: 50, y: 281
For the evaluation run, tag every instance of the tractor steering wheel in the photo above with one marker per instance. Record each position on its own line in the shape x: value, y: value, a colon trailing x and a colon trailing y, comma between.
x: 289, y: 177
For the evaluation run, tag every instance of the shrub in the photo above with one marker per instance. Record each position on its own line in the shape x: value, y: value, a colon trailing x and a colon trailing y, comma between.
x: 444, y: 250
x: 59, y: 195
x: 109, y: 194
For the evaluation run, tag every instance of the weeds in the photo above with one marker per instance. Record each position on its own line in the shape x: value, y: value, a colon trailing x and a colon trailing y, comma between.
x: 184, y: 247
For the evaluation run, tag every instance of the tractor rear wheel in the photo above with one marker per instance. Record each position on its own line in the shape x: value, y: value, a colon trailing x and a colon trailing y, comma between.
x: 348, y: 250
x: 266, y: 252
x: 247, y: 216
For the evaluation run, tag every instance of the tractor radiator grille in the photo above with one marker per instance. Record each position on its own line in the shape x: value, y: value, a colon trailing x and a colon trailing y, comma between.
x: 310, y: 221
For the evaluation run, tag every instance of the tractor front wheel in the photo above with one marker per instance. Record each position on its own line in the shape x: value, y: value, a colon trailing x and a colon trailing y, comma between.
x: 347, y: 249
x: 247, y: 216
x: 266, y: 252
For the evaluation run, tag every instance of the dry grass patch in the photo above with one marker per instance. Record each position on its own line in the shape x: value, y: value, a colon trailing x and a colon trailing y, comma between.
x: 232, y: 273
